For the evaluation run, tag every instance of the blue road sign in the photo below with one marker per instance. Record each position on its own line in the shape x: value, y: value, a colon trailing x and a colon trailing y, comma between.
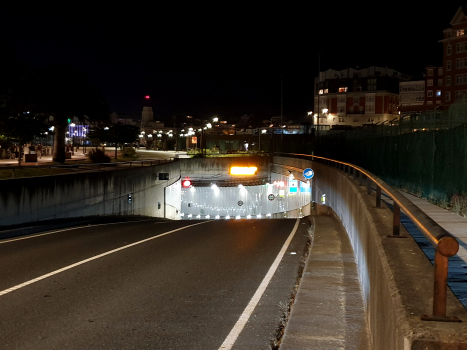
x: 308, y: 173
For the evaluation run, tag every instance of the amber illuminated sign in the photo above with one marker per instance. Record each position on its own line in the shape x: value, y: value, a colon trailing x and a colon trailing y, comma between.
x: 239, y: 170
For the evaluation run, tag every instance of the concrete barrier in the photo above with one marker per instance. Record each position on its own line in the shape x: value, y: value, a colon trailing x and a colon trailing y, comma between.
x: 214, y: 166
x: 135, y: 191
x: 396, y: 276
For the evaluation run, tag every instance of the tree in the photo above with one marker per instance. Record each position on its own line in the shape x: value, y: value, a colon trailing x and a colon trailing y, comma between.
x: 119, y: 134
x: 64, y: 92
x: 23, y: 128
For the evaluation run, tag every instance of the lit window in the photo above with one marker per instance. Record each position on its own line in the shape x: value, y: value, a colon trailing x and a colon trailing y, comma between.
x: 321, y: 91
x: 343, y: 89
x: 438, y: 93
x: 460, y: 32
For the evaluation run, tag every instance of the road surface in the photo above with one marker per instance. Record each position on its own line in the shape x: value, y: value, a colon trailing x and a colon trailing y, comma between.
x: 150, y: 284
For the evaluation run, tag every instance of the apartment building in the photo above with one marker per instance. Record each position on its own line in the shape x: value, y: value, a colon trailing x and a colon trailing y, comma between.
x: 355, y: 97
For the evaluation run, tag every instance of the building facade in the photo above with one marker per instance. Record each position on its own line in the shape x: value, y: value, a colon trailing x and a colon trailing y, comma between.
x: 455, y: 58
x: 412, y: 97
x: 356, y: 97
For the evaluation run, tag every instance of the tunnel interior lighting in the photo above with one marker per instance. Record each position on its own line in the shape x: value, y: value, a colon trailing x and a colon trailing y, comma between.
x: 227, y: 217
x: 218, y: 217
x: 189, y: 215
x: 258, y: 216
x: 248, y: 216
x: 237, y: 217
x: 208, y: 216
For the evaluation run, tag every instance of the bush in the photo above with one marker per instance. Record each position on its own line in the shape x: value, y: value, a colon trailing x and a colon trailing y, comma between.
x: 129, y: 152
x: 98, y: 156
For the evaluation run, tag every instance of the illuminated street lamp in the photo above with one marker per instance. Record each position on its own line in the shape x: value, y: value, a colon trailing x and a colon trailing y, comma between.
x: 84, y: 140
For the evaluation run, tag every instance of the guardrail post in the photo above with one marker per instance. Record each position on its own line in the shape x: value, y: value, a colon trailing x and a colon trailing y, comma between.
x: 354, y: 173
x: 440, y: 287
x: 440, y: 291
x: 378, y: 196
x: 368, y: 185
x: 396, y: 219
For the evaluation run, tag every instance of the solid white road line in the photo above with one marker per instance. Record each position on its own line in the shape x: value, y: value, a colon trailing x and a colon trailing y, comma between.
x: 66, y: 229
x: 6, y: 291
x: 238, y: 327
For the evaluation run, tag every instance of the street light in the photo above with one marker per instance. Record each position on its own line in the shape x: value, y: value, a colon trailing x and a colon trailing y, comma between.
x: 84, y: 140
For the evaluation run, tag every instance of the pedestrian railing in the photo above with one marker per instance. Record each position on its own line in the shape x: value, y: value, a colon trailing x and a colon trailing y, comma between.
x: 444, y: 243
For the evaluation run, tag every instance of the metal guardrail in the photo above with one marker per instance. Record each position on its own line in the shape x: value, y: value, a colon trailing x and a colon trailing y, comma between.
x: 444, y: 243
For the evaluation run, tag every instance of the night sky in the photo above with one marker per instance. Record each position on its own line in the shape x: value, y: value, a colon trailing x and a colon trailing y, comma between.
x: 223, y: 59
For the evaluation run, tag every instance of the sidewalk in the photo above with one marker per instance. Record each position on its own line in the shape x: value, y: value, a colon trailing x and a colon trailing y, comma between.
x: 78, y: 156
x: 328, y: 312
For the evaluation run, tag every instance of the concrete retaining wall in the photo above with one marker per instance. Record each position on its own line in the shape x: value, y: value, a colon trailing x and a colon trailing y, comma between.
x: 396, y: 277
x: 87, y: 194
x: 214, y: 166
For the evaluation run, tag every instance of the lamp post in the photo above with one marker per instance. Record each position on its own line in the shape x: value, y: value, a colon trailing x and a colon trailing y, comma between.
x: 436, y: 112
x: 84, y: 140
x: 208, y: 126
x: 72, y: 125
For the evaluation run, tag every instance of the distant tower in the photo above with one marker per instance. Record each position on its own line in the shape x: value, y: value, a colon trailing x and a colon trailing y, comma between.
x: 147, y: 115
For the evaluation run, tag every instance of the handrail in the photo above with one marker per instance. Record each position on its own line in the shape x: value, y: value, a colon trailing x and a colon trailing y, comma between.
x: 445, y: 243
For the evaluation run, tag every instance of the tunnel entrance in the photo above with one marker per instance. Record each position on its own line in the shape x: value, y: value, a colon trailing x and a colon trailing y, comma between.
x: 259, y: 198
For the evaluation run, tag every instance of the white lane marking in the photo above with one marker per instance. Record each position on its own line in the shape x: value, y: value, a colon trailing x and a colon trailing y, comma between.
x: 65, y: 229
x: 6, y: 291
x: 238, y: 327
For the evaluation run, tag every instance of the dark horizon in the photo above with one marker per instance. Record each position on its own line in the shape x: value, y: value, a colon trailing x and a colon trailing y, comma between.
x: 226, y: 65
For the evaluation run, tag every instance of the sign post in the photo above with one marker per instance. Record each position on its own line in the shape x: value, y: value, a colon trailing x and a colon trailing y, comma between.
x: 308, y: 174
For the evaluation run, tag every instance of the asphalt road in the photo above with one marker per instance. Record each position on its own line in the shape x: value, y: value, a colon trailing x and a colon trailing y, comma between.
x: 148, y: 285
